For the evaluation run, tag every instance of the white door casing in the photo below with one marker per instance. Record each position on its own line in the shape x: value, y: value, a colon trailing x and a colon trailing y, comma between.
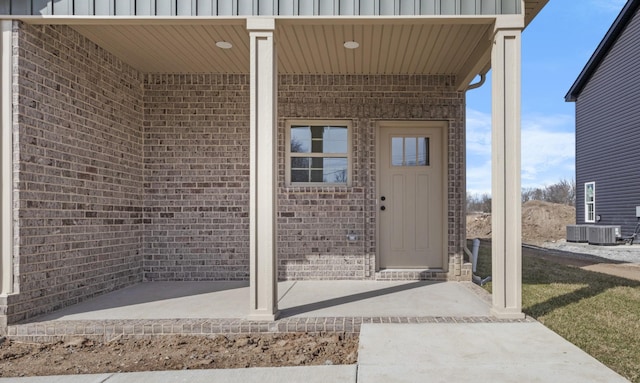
x: 411, y: 195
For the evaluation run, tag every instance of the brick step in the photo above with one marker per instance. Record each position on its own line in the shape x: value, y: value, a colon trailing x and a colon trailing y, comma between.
x: 411, y: 275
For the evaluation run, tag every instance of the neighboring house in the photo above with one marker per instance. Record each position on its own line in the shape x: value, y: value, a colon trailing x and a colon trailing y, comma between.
x: 607, y: 97
x: 251, y: 140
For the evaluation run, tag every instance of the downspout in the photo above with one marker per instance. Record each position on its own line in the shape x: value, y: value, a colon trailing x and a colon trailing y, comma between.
x: 473, y: 255
x: 483, y: 78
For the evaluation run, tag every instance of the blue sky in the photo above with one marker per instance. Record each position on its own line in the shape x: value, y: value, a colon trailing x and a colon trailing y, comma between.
x: 555, y: 48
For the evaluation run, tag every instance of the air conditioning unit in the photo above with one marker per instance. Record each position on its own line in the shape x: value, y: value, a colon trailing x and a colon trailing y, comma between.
x: 577, y: 233
x: 603, y: 235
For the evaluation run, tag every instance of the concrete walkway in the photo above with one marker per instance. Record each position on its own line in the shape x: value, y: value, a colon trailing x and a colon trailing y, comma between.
x: 434, y: 352
x: 478, y: 352
x: 315, y: 374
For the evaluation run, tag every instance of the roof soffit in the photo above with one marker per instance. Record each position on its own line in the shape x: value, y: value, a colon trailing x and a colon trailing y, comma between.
x: 408, y: 47
x: 455, y: 45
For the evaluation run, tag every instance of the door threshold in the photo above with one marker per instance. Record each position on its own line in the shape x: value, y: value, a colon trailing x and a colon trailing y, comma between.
x: 411, y: 275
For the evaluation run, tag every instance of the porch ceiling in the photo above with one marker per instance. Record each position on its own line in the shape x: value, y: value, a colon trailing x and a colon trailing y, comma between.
x: 458, y: 44
x: 312, y: 47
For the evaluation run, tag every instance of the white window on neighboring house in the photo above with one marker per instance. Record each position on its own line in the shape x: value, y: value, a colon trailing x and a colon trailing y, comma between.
x: 590, y: 202
x: 318, y: 153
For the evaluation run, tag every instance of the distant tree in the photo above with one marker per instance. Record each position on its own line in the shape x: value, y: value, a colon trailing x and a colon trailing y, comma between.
x: 296, y: 146
x: 479, y: 203
x: 341, y: 176
x: 563, y: 192
x: 532, y: 194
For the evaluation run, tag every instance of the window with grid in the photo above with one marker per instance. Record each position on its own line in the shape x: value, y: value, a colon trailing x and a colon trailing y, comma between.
x: 590, y: 202
x: 318, y: 152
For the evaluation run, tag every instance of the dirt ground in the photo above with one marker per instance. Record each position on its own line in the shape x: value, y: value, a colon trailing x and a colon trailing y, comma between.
x: 84, y: 356
x: 541, y: 222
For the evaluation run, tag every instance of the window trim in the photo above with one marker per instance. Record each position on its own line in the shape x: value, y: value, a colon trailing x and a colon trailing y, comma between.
x: 348, y: 154
x: 587, y: 203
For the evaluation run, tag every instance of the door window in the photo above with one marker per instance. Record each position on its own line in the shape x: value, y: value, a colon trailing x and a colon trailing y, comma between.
x: 409, y: 151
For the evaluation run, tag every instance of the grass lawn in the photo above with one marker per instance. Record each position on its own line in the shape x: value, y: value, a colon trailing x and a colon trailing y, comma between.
x: 597, y: 312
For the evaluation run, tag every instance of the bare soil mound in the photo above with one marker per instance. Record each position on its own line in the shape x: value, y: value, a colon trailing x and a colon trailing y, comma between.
x: 84, y: 356
x: 541, y: 222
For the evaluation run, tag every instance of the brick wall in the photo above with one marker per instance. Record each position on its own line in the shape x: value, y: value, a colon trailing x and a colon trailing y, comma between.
x: 196, y: 173
x: 78, y: 179
x: 196, y: 153
x: 313, y: 222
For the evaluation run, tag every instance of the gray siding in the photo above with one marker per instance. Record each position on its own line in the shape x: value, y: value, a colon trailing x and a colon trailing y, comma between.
x: 258, y: 7
x: 608, y: 133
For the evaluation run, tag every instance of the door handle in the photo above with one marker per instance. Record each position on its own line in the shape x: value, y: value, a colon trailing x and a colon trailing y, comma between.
x: 383, y: 208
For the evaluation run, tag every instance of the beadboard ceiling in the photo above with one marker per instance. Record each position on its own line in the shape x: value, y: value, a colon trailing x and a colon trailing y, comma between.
x: 458, y: 45
x: 385, y: 48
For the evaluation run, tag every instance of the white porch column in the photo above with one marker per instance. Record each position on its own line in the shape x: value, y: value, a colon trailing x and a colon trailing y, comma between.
x: 6, y: 159
x: 263, y: 150
x: 506, y: 201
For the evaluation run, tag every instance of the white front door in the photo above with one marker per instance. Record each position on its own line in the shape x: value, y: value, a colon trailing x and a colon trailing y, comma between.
x: 410, y: 199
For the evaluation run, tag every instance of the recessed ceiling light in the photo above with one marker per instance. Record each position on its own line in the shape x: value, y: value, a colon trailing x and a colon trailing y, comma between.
x: 224, y: 45
x: 351, y: 44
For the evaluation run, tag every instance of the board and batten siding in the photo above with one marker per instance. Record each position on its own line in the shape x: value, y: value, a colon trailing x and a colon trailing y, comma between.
x: 608, y: 133
x: 258, y: 7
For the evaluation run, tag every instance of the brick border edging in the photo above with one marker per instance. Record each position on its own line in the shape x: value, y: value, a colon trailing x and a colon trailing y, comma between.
x: 110, y: 329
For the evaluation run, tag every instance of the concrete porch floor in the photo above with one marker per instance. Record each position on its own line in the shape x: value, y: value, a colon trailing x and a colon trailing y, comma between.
x: 297, y: 299
x: 207, y: 308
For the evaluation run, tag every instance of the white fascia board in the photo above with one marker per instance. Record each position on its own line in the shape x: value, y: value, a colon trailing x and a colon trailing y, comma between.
x: 509, y: 22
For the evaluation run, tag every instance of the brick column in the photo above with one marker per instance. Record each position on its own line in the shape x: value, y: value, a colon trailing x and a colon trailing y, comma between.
x: 263, y: 169
x: 6, y: 158
x: 506, y: 202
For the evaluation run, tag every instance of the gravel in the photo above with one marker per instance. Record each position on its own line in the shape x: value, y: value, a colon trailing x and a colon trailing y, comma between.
x: 619, y: 253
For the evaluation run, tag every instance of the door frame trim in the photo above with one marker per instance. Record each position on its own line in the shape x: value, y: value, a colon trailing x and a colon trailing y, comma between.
x: 437, y: 124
